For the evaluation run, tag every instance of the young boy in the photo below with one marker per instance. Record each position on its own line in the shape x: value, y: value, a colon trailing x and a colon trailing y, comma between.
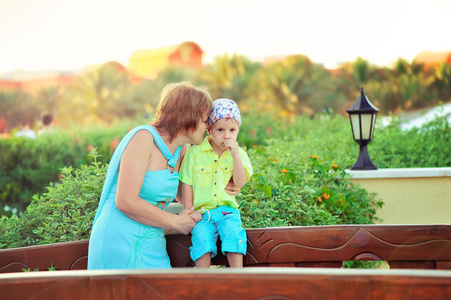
x: 205, y: 172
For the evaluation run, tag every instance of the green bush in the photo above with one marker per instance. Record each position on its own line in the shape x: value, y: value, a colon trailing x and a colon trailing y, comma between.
x: 425, y: 147
x: 310, y: 191
x: 64, y: 213
x: 302, y: 189
x: 27, y: 165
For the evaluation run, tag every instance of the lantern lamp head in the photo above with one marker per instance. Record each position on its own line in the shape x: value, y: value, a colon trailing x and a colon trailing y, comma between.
x: 362, y: 115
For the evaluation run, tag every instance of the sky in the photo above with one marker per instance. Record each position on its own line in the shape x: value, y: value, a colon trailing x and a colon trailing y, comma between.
x: 71, y: 34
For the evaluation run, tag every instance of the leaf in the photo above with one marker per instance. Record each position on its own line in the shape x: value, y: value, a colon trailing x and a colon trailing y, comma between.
x: 290, y: 176
x: 265, y: 189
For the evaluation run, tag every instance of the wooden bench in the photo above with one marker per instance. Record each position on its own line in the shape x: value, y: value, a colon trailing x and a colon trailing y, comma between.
x: 227, y: 283
x: 308, y: 247
x: 402, y: 246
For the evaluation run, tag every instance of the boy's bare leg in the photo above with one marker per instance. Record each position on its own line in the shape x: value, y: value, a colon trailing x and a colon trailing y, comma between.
x: 204, y: 261
x: 235, y: 259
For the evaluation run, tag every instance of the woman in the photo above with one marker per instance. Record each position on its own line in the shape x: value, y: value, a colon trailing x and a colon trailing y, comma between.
x: 142, y: 179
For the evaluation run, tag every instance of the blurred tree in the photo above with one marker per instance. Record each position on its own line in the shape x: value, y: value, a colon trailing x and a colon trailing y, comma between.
x: 17, y: 106
x: 442, y: 82
x: 101, y: 95
x: 414, y: 85
x: 229, y: 76
x: 351, y: 77
x: 48, y: 98
x: 294, y: 84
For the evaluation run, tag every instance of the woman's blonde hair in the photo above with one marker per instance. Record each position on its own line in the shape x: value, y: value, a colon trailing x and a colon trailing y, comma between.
x: 181, y: 107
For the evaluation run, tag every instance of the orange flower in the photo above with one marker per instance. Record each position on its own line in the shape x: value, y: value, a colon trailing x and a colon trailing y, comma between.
x: 268, y: 130
x: 314, y: 156
x: 59, y: 176
x: 270, y: 157
x: 334, y: 166
x: 113, y: 144
x: 326, y: 196
x: 341, y: 201
x: 89, y: 148
x: 319, y: 199
x: 252, y: 132
x: 254, y: 146
x: 283, y: 171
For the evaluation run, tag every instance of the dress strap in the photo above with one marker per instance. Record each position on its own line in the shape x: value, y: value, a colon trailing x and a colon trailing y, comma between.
x: 172, y: 158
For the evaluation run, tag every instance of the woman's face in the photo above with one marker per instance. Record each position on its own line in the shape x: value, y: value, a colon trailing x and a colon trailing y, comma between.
x: 198, y: 134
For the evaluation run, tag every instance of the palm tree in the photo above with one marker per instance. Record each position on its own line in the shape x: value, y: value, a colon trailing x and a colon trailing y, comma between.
x: 101, y: 94
x: 294, y: 84
x: 229, y: 76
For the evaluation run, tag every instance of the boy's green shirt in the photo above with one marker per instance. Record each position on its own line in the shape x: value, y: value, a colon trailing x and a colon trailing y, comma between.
x: 208, y: 175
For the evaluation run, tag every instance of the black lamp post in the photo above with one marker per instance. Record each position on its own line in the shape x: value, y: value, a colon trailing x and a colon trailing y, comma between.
x: 362, y: 115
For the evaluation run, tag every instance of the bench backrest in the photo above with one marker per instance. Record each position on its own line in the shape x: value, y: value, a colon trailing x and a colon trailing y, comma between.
x: 403, y: 246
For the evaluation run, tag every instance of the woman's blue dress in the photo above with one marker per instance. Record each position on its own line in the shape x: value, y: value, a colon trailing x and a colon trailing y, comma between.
x: 118, y: 242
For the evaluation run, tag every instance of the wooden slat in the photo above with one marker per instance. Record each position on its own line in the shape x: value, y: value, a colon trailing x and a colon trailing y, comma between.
x: 64, y: 256
x: 403, y: 246
x: 247, y: 283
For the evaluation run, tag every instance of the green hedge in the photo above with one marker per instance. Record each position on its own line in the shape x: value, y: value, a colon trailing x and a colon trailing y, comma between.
x: 28, y: 165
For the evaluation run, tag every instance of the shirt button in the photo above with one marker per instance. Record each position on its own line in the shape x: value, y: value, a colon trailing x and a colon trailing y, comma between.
x: 215, y: 183
x: 214, y: 195
x: 216, y: 160
x: 226, y: 168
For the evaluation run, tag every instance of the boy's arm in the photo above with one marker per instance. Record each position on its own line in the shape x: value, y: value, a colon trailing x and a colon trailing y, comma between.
x: 187, y: 196
x: 239, y: 173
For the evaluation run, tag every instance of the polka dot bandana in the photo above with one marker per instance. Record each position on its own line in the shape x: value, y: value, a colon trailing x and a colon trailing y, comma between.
x: 224, y: 108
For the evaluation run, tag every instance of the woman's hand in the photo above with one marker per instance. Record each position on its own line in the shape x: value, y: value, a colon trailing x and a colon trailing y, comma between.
x: 186, y: 223
x: 231, y: 189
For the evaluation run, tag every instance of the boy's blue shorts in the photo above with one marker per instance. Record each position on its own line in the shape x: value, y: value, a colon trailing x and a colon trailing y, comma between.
x: 225, y: 221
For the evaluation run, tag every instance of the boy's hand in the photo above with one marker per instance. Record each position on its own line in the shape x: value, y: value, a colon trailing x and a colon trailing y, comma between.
x: 196, y: 216
x: 231, y: 189
x: 233, y: 146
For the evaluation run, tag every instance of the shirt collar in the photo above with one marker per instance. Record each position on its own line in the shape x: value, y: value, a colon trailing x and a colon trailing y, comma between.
x: 205, y: 146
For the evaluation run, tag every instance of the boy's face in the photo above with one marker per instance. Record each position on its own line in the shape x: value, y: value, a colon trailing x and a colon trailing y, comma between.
x: 223, y: 130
